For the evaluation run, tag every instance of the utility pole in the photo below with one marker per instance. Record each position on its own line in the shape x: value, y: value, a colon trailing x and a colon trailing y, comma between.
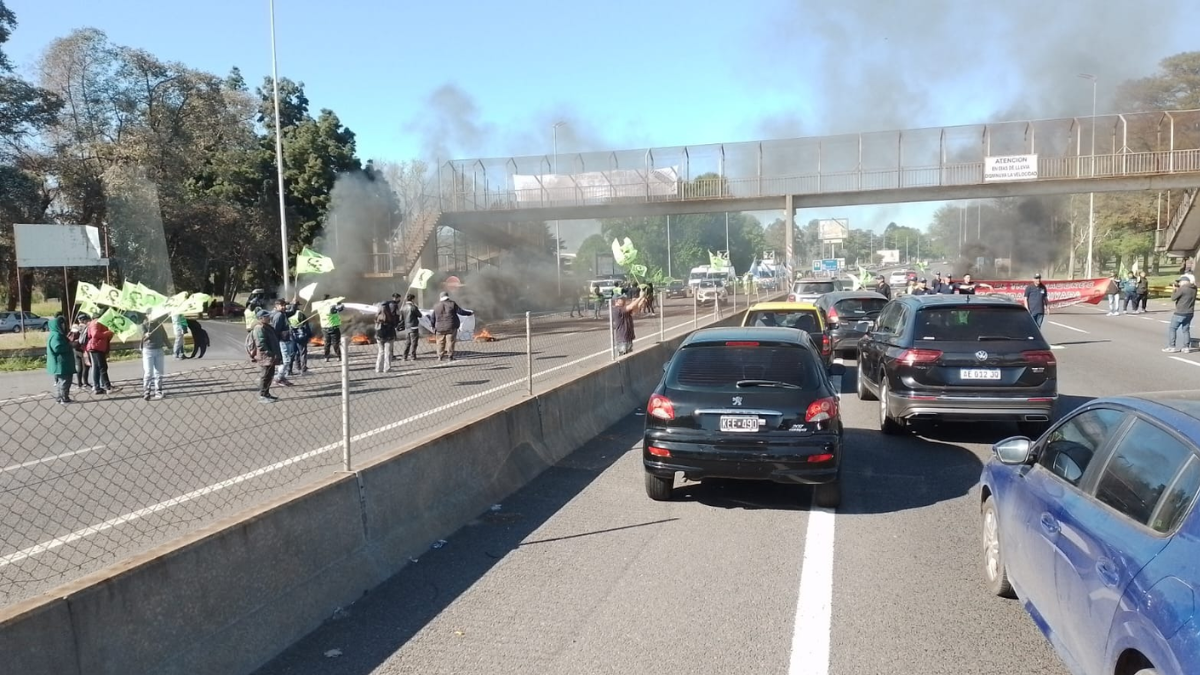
x: 283, y: 231
x: 1092, y: 195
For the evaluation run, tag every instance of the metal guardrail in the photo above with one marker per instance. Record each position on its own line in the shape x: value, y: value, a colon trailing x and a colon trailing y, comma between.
x: 1108, y: 146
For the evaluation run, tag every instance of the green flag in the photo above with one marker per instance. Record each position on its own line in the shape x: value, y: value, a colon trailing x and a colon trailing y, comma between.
x: 85, y: 292
x: 421, y: 278
x: 109, y: 295
x: 308, y: 291
x: 311, y: 262
x: 117, y: 322
x: 624, y: 254
x: 717, y: 261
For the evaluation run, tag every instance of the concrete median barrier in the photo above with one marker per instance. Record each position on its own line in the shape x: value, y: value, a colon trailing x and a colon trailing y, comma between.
x: 228, y: 598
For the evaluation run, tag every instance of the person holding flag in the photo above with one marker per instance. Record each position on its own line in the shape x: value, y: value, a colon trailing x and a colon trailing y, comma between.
x: 301, y: 334
x: 154, y: 340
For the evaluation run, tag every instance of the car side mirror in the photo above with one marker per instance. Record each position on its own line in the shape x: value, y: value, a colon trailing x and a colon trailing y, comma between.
x: 1014, y: 451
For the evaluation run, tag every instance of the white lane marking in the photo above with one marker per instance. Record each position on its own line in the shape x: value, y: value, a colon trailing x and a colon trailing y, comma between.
x: 1063, y: 325
x: 814, y: 604
x: 1161, y: 321
x: 1187, y: 361
x: 35, y: 462
x: 196, y: 494
x: 1057, y: 347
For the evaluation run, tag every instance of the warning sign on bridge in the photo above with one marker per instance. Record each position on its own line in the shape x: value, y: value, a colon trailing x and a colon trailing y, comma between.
x: 1010, y: 167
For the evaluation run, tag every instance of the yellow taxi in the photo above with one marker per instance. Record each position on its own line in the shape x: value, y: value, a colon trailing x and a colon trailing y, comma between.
x: 803, y: 316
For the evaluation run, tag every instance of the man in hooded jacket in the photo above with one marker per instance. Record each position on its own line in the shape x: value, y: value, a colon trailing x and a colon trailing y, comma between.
x: 60, y: 359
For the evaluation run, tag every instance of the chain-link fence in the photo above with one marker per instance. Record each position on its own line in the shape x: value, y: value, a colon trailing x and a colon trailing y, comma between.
x: 86, y: 484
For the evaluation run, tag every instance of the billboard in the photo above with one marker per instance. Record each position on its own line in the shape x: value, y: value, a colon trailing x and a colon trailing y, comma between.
x: 833, y: 230
x: 58, y: 246
x: 594, y: 187
x: 1010, y: 168
x: 890, y: 255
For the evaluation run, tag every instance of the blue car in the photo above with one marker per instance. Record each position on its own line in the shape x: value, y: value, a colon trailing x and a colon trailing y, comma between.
x: 1093, y: 527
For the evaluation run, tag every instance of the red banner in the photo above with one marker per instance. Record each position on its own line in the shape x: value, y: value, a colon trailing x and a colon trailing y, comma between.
x: 1062, y: 292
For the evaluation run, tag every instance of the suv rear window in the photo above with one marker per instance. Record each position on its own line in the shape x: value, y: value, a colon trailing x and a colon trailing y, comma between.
x: 859, y: 306
x: 815, y: 287
x: 720, y: 367
x: 801, y: 319
x: 969, y: 324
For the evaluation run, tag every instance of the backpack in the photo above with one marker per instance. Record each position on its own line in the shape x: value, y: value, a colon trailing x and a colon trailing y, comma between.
x: 251, y: 346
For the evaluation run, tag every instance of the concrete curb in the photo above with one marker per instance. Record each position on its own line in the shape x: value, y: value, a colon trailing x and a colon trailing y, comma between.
x: 228, y: 598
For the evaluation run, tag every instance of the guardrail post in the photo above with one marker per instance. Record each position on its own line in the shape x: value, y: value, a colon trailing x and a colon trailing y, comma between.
x: 345, y: 403
x: 716, y: 307
x: 695, y: 308
x: 612, y: 335
x: 529, y: 351
x: 662, y: 316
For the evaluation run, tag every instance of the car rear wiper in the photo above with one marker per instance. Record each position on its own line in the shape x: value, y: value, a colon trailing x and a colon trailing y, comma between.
x: 767, y: 383
x: 986, y: 338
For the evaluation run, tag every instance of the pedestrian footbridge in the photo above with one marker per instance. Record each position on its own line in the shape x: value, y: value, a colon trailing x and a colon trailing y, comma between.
x: 1158, y: 150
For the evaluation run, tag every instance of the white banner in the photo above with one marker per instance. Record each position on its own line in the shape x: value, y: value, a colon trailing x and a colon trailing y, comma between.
x: 58, y: 246
x: 1009, y: 168
x: 833, y: 230
x: 596, y: 186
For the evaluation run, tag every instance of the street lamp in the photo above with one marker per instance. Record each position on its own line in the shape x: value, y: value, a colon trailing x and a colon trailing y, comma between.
x: 283, y: 233
x: 557, y: 230
x: 1091, y: 195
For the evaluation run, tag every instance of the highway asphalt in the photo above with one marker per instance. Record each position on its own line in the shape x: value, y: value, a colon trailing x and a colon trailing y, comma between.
x: 85, y: 485
x: 581, y: 573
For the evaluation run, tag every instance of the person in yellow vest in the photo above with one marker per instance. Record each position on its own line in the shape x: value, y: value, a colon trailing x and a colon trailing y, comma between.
x: 301, y: 334
x: 331, y: 327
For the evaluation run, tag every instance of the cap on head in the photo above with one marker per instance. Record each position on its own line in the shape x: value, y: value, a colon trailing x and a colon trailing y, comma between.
x: 445, y: 295
x: 262, y: 314
x: 1037, y: 276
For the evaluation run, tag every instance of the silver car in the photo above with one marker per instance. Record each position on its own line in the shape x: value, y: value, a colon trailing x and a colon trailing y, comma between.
x: 10, y: 322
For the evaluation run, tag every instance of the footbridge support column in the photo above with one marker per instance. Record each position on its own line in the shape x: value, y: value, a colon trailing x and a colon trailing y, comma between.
x: 789, y: 237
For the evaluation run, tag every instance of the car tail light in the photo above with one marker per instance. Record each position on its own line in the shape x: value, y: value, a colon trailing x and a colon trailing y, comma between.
x: 661, y: 407
x: 823, y: 457
x: 833, y: 315
x: 826, y: 345
x: 822, y: 409
x: 1041, y: 357
x: 659, y: 452
x: 912, y: 356
x: 791, y: 297
x: 741, y: 344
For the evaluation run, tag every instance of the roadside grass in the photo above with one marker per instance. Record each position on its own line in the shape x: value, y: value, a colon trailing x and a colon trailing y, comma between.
x: 17, y: 364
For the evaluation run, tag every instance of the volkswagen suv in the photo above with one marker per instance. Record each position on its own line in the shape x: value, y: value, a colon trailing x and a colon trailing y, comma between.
x: 965, y: 357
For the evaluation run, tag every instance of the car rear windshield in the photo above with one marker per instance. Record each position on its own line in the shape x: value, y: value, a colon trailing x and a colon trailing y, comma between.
x: 969, y: 324
x: 800, y: 319
x: 815, y: 287
x: 720, y: 367
x: 859, y: 306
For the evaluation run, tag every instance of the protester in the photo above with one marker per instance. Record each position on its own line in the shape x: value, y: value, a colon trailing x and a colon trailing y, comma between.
x: 154, y: 340
x: 385, y: 336
x: 266, y: 353
x: 446, y: 323
x: 180, y: 323
x: 76, y: 338
x: 947, y: 287
x: 1113, y: 293
x: 301, y: 335
x: 60, y: 360
x: 279, y: 322
x: 410, y: 321
x: 1143, y: 292
x: 96, y: 341
x: 1184, y: 297
x: 598, y: 297
x: 623, y: 312
x: 1037, y: 299
x: 331, y: 327
x: 936, y: 286
x: 1129, y: 294
x: 921, y: 287
x: 966, y: 286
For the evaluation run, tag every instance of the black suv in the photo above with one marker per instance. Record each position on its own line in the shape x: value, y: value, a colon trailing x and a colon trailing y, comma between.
x: 849, y: 316
x: 750, y: 403
x: 967, y: 357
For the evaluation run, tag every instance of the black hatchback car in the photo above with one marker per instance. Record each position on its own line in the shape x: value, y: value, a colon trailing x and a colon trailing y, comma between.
x: 970, y: 358
x: 744, y: 403
x: 849, y: 315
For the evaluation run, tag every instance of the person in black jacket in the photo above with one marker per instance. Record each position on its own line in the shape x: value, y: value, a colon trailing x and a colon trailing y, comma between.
x: 446, y: 323
x: 1142, y: 291
x: 410, y: 323
x: 1184, y: 297
x: 1037, y: 299
x: 283, y: 331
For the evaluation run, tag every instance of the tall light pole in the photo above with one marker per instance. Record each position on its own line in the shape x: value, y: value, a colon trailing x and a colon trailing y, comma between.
x: 727, y: 250
x: 1091, y: 195
x: 669, y: 274
x: 283, y: 232
x: 557, y: 231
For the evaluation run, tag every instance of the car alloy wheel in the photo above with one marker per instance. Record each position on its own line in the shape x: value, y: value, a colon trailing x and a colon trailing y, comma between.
x: 993, y: 553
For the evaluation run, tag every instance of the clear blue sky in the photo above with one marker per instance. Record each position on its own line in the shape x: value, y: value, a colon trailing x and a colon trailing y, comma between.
x: 632, y: 73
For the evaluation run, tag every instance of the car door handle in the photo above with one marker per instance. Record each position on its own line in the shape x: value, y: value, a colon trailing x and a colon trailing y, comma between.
x: 1107, y: 570
x: 1049, y: 524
